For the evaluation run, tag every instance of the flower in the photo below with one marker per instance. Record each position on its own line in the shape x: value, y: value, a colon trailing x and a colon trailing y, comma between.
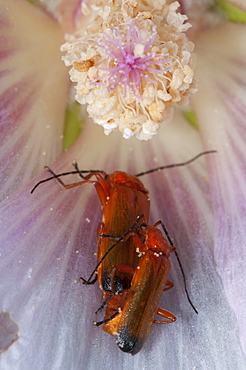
x: 48, y: 239
x: 132, y: 65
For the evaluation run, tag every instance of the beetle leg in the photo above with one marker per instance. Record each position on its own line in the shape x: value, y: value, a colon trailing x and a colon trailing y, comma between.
x: 109, y: 236
x: 88, y: 282
x: 167, y: 315
x: 75, y: 164
x: 168, y: 286
x: 104, y: 303
x: 69, y: 186
x: 98, y: 323
x: 172, y: 248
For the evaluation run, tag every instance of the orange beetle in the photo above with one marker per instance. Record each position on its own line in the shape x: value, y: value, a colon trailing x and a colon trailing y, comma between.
x: 123, y: 191
x: 123, y: 196
x: 130, y: 315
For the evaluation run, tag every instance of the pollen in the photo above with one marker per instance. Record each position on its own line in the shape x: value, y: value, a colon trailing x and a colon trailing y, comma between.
x: 84, y: 66
x: 132, y: 64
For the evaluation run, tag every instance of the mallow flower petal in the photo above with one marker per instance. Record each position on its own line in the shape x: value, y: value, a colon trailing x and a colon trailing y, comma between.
x: 48, y: 240
x: 69, y: 14
x: 220, y: 106
x: 33, y: 92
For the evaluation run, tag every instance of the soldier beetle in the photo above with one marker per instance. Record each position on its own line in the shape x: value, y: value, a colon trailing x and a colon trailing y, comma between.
x: 120, y: 271
x: 130, y: 314
x: 123, y: 196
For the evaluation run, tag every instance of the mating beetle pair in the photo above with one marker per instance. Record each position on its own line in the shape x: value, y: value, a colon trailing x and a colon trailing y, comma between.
x: 133, y: 256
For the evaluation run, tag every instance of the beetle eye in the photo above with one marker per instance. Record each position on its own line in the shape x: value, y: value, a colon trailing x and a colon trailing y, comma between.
x: 143, y: 226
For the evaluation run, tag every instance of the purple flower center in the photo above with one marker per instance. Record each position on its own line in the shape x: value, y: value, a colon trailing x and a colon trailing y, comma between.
x: 125, y: 69
x: 130, y: 59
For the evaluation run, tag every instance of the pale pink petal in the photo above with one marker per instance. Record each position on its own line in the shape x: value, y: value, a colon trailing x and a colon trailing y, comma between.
x: 195, y: 11
x: 33, y: 92
x: 69, y: 14
x: 220, y: 106
x: 48, y: 240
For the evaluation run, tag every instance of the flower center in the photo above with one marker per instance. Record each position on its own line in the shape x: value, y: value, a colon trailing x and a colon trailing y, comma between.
x: 128, y: 69
x: 132, y: 65
x: 130, y: 60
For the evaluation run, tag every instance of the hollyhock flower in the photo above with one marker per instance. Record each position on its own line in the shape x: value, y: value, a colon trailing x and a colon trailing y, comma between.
x: 48, y: 239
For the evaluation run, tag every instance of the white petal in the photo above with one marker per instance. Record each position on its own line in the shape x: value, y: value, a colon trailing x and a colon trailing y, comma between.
x: 40, y: 234
x: 33, y: 92
x: 221, y: 108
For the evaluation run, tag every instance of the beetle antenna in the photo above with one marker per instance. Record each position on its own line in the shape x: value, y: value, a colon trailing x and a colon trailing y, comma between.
x: 80, y: 172
x: 180, y: 265
x: 98, y: 323
x: 177, y: 164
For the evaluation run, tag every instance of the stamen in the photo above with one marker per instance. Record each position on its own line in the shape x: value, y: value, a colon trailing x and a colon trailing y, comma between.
x: 127, y: 67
